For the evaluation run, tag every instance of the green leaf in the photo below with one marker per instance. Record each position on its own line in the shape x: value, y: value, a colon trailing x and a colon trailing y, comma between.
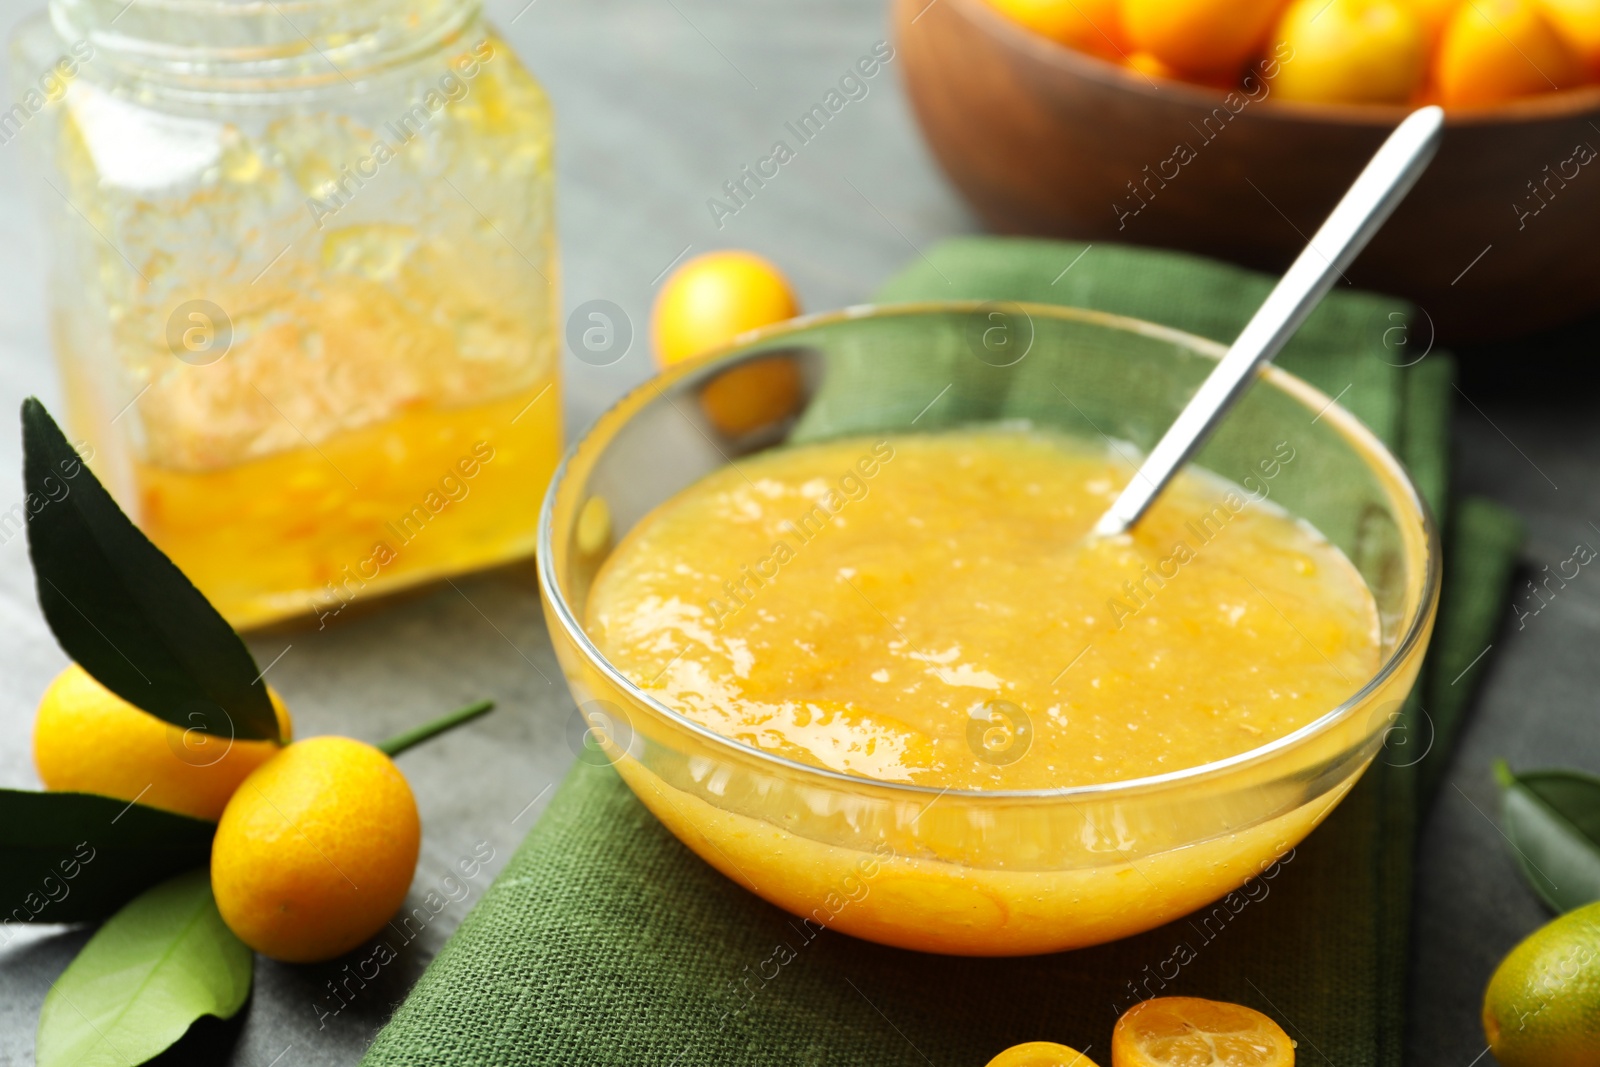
x: 77, y: 857
x: 1552, y: 819
x: 153, y: 969
x: 122, y: 609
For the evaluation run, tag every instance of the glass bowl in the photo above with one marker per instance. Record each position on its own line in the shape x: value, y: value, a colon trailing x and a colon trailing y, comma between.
x: 981, y: 872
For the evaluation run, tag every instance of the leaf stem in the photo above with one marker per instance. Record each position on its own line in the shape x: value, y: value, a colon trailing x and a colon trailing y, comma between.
x: 1503, y: 775
x: 400, y: 742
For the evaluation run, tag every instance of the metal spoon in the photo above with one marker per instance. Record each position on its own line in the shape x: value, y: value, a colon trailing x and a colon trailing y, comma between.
x: 1385, y: 181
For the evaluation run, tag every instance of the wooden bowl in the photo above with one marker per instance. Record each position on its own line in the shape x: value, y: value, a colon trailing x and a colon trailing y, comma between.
x: 1501, y: 237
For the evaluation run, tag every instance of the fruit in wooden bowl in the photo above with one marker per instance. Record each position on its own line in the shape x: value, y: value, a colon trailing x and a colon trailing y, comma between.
x: 1351, y: 52
x: 1500, y: 238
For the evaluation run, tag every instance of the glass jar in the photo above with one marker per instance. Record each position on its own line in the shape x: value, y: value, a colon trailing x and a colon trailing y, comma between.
x: 303, y: 284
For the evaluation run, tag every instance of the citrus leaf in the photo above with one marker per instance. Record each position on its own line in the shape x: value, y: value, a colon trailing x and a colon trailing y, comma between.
x: 1552, y: 819
x: 122, y: 609
x: 144, y: 977
x: 76, y: 857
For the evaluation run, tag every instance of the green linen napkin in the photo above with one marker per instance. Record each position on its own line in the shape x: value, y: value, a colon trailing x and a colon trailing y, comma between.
x: 606, y: 942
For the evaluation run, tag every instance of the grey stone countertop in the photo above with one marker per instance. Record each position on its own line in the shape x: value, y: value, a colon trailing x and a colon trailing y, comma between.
x: 658, y: 103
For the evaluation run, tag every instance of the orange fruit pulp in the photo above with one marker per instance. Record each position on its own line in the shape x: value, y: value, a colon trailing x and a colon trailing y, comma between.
x: 1191, y: 1032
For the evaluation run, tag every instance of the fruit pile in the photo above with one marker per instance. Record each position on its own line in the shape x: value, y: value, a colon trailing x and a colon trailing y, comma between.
x: 1459, y: 53
x: 178, y: 811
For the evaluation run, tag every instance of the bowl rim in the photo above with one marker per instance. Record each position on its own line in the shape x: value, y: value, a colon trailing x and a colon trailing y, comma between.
x: 1384, y: 461
x: 1564, y: 103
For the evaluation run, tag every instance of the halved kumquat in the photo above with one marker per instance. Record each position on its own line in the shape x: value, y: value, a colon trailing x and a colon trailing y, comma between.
x: 1191, y: 1032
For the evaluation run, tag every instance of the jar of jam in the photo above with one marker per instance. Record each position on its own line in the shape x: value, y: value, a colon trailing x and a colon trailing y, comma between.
x: 303, y: 284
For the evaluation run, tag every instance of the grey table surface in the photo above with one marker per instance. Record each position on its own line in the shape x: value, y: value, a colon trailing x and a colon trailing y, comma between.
x: 658, y: 103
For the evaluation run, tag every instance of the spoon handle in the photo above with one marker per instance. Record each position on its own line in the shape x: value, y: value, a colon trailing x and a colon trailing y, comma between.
x: 1385, y: 181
